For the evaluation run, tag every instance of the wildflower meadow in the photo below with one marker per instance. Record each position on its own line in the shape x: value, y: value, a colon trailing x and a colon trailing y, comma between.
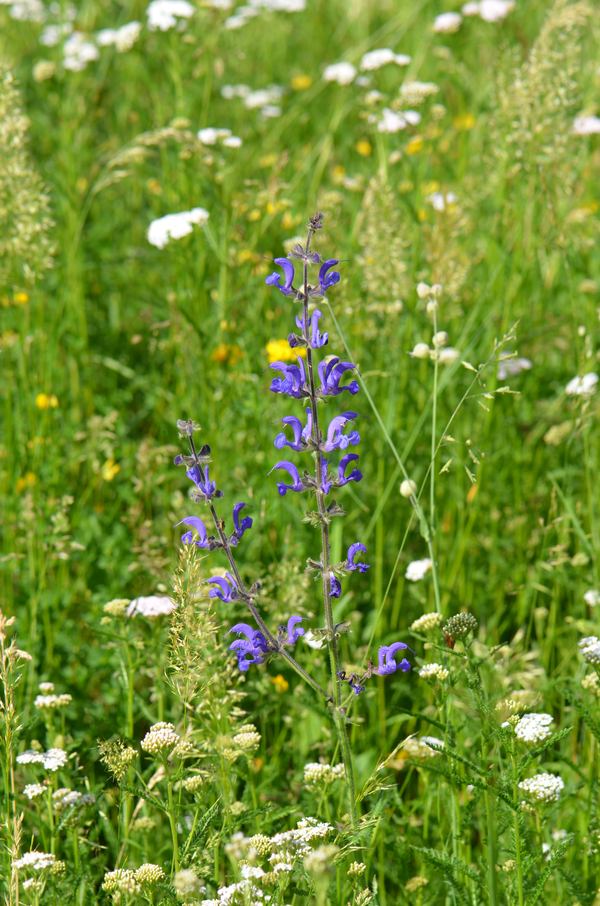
x: 300, y: 351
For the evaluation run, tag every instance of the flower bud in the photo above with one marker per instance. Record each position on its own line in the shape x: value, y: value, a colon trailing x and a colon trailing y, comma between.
x: 440, y: 338
x: 421, y: 351
x: 408, y: 488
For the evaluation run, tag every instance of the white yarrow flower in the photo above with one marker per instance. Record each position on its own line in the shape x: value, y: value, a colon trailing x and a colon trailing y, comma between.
x: 586, y: 125
x: 426, y: 622
x: 342, y: 73
x: 544, y: 787
x: 35, y: 861
x: 175, y: 226
x: 434, y: 672
x: 447, y: 23
x: 152, y: 606
x: 375, y: 59
x: 590, y: 649
x: 534, y: 728
x: 418, y: 569
x: 33, y: 790
x: 512, y: 367
x: 582, y: 386
x: 166, y: 14
x: 592, y: 597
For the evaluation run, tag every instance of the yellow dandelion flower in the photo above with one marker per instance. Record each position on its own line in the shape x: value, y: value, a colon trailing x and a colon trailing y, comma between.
x: 464, y: 122
x: 301, y: 82
x: 226, y: 354
x: 338, y: 173
x: 21, y: 298
x: 46, y: 401
x: 414, y: 145
x: 253, y: 215
x: 430, y: 187
x: 281, y: 351
x: 26, y: 481
x: 109, y: 470
x: 280, y: 683
x: 422, y: 215
x: 267, y: 160
x: 288, y: 221
x: 364, y: 147
x: 245, y: 256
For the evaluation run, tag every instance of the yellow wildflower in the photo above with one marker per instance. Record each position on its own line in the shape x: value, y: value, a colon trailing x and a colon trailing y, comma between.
x: 431, y: 186
x: 110, y: 469
x: 288, y: 221
x: 414, y: 145
x: 364, y: 147
x: 27, y: 481
x: 21, y: 298
x: 267, y: 160
x: 280, y: 683
x: 338, y: 174
x: 253, y: 215
x: 154, y: 186
x: 226, y: 354
x: 46, y: 401
x: 464, y: 122
x: 301, y: 82
x: 244, y: 256
x: 281, y: 351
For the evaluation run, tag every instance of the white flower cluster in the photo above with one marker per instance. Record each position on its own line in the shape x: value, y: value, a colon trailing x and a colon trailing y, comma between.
x: 247, y: 738
x: 64, y: 799
x: 590, y: 649
x: 544, y: 787
x: 35, y: 861
x: 78, y: 51
x: 149, y: 873
x: 265, y: 100
x: 441, y: 201
x: 434, y: 672
x: 510, y: 367
x: 534, y: 728
x: 212, y: 136
x: 163, y: 15
x: 391, y: 121
x: 582, y: 386
x: 426, y: 622
x: 51, y: 702
x: 252, y: 8
x: 592, y: 597
x: 439, y: 352
x: 156, y: 605
x: 160, y: 232
x: 121, y: 881
x: 33, y: 790
x: 160, y: 738
x: 375, y: 59
x: 422, y: 747
x: 414, y: 93
x: 317, y: 774
x: 488, y: 10
x: 122, y: 39
x: 343, y: 73
x: 51, y: 760
x: 418, y: 569
x: 586, y: 125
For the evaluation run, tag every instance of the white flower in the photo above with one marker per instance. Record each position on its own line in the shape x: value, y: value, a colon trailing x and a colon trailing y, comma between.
x: 342, y: 73
x: 51, y: 760
x: 375, y: 59
x: 418, y: 569
x: 582, y: 386
x: 422, y: 747
x: 152, y: 606
x: 316, y: 773
x: 174, y: 226
x: 122, y: 39
x: 434, y: 672
x: 439, y: 201
x: 447, y: 23
x: 512, y: 367
x: 161, y: 737
x: 391, y: 121
x: 495, y: 10
x: 262, y: 97
x: 414, y: 93
x: 590, y: 649
x: 592, y: 597
x: 233, y: 141
x: 35, y: 861
x: 420, y: 351
x: 312, y: 640
x: 533, y: 727
x: 210, y: 135
x: 448, y: 356
x: 470, y: 9
x: 33, y: 790
x: 165, y: 14
x: 544, y: 787
x: 27, y: 10
x: 408, y: 488
x: 52, y: 701
x: 78, y: 51
x: 52, y: 34
x: 586, y: 125
x: 426, y: 622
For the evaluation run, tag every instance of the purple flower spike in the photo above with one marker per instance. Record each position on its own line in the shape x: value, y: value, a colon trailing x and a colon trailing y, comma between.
x: 335, y: 586
x: 351, y: 559
x: 226, y: 589
x: 288, y: 272
x: 331, y: 372
x: 201, y: 479
x: 196, y: 524
x: 294, y: 475
x: 316, y: 339
x: 336, y: 439
x: 294, y: 631
x: 239, y: 526
x: 293, y: 382
x: 387, y: 661
x: 250, y: 650
x: 326, y: 484
x: 355, y: 474
x: 326, y: 281
x: 356, y: 686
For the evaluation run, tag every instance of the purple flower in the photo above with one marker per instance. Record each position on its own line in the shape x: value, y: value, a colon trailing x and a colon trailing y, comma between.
x: 326, y: 281
x: 293, y: 382
x: 331, y: 372
x: 294, y: 475
x: 326, y: 484
x: 226, y: 589
x: 294, y: 631
x: 275, y: 279
x: 201, y: 479
x: 387, y: 662
x: 317, y: 339
x: 250, y: 650
x: 350, y: 560
x: 239, y: 527
x: 335, y: 587
x: 336, y: 439
x: 301, y: 433
x: 355, y: 685
x: 355, y: 474
x: 196, y: 524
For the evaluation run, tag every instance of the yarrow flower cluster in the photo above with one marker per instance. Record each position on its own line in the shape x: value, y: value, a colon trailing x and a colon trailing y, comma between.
x: 35, y: 861
x: 426, y: 622
x: 534, y: 728
x: 51, y: 760
x: 435, y: 672
x: 590, y: 649
x: 543, y: 787
x: 160, y: 739
x: 317, y: 774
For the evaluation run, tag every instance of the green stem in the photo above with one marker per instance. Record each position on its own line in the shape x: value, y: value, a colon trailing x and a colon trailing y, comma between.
x: 517, y: 828
x: 173, y: 825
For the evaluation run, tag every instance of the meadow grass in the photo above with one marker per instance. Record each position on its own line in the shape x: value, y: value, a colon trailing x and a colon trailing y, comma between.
x: 239, y: 795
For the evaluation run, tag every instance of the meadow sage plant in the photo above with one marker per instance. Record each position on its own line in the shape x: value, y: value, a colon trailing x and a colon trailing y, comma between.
x: 314, y: 383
